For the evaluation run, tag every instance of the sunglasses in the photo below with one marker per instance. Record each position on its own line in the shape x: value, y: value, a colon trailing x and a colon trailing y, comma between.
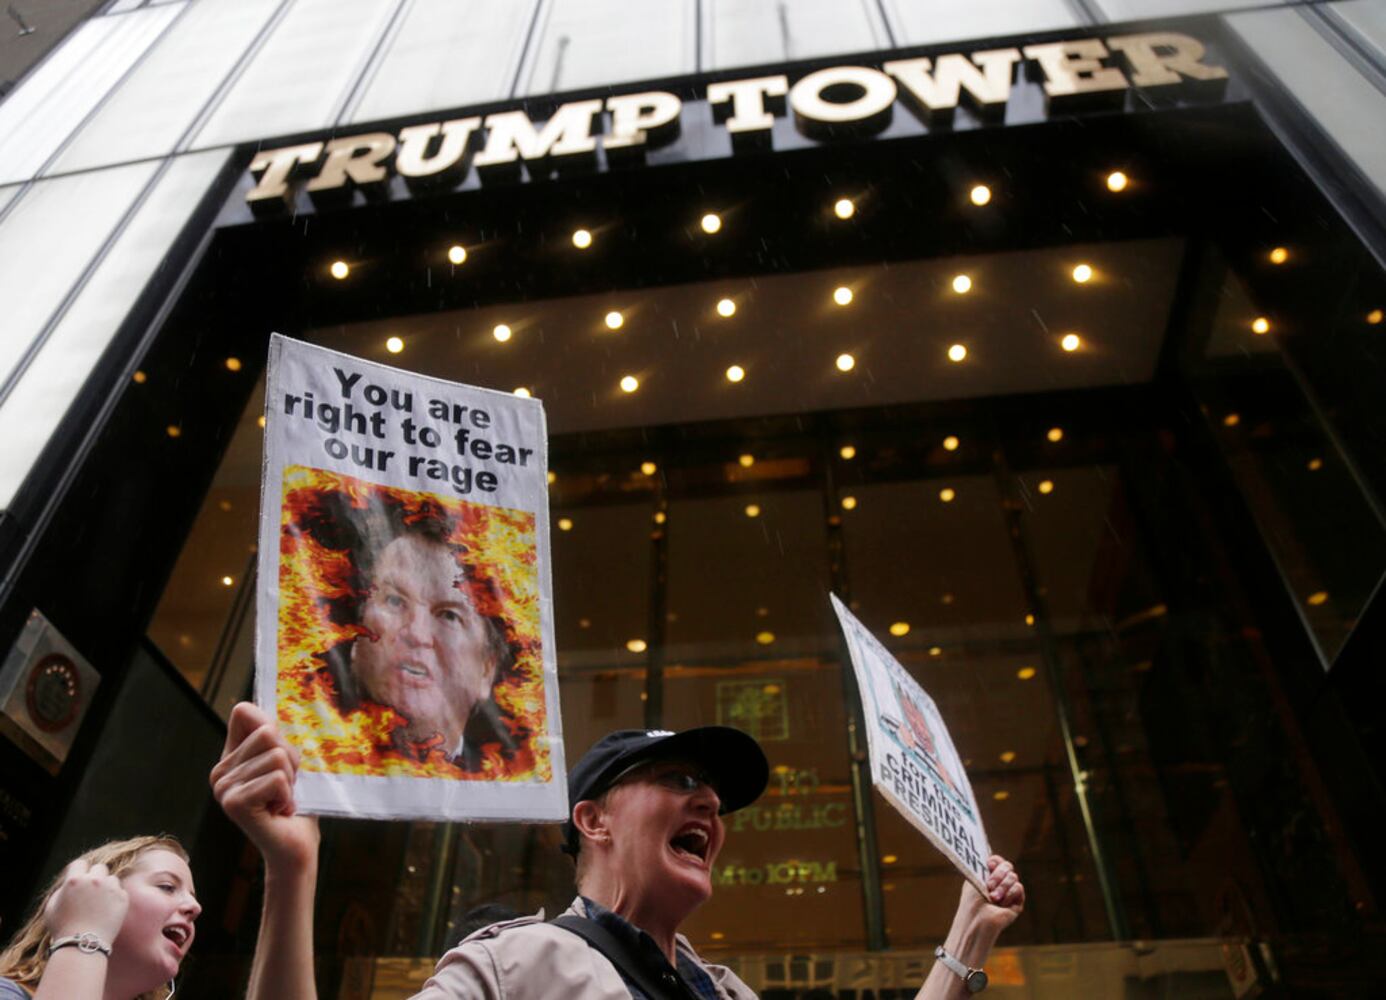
x: 682, y: 778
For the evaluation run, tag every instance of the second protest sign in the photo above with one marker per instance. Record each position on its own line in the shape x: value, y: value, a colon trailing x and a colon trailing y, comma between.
x: 913, y: 761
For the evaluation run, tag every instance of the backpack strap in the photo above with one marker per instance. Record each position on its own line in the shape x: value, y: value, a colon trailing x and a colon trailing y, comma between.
x: 655, y: 985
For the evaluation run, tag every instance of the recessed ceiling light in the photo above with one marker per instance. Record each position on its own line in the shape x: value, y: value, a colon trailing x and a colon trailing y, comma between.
x: 582, y: 239
x: 1007, y: 756
x: 173, y: 430
x: 1260, y: 325
x: 1375, y: 316
x: 1071, y: 342
x: 845, y: 362
x: 1082, y: 273
x: 711, y: 222
x: 629, y: 383
x: 962, y: 284
x: 648, y: 468
x: 233, y: 364
x: 1029, y: 619
x: 1025, y: 673
x: 1318, y: 597
x: 842, y: 295
x: 394, y: 344
x: 1117, y: 181
x: 947, y: 494
x: 553, y: 477
x: 726, y: 307
x: 227, y: 581
x: 1315, y: 464
x: 1056, y: 434
x: 765, y: 638
x: 899, y: 629
x: 957, y: 353
x: 735, y: 373
x: 339, y: 269
x: 848, y: 452
x: 522, y: 392
x: 260, y: 420
x: 849, y: 503
x: 1046, y: 486
x: 565, y: 524
x: 950, y: 443
x: 660, y: 517
x: 980, y: 194
x: 139, y: 377
x: 637, y: 645
x: 935, y: 650
x: 501, y: 332
x: 1000, y: 795
x: 753, y: 510
x: 746, y: 460
x: 844, y: 208
x: 1279, y: 255
x: 457, y: 254
x: 614, y: 320
x: 1232, y: 420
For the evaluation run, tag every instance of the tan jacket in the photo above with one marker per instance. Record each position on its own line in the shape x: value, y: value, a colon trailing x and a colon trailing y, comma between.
x: 527, y: 959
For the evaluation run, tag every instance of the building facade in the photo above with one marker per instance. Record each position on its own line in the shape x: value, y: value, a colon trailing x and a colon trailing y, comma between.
x: 1048, y: 335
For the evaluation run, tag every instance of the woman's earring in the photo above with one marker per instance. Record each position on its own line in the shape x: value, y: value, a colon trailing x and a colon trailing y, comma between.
x: 172, y: 985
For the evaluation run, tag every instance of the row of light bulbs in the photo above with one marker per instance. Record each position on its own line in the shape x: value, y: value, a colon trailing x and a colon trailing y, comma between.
x: 711, y: 222
x: 845, y: 208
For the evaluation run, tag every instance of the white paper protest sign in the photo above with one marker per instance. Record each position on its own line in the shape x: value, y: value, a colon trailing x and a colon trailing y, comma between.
x: 913, y: 761
x: 404, y: 617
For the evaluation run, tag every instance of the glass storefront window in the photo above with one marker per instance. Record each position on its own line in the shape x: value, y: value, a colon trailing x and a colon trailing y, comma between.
x: 1261, y: 380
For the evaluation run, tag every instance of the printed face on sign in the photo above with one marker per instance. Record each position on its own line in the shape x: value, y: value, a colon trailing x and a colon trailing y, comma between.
x: 917, y: 738
x: 409, y: 633
x: 428, y: 653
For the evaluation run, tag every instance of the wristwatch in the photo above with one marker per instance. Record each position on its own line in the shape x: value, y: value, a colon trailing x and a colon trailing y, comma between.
x: 87, y: 943
x: 974, y: 980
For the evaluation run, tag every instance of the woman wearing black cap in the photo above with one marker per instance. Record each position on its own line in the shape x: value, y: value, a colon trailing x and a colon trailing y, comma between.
x: 645, y: 828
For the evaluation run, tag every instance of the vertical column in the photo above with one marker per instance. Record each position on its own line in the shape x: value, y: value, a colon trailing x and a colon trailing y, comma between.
x: 858, y: 762
x: 659, y: 607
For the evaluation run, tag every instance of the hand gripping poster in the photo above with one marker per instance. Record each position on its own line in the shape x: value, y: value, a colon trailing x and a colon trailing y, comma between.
x: 404, y: 627
x: 913, y: 761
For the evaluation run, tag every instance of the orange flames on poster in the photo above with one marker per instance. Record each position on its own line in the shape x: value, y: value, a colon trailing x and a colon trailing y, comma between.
x: 312, y: 576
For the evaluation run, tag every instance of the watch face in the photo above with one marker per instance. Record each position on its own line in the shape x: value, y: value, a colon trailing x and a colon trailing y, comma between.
x: 976, y: 981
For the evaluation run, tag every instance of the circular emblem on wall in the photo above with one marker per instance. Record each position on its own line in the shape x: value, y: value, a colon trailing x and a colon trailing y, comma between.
x: 54, y: 692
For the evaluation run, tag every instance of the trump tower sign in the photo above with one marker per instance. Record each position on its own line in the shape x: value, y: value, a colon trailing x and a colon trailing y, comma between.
x: 946, y: 91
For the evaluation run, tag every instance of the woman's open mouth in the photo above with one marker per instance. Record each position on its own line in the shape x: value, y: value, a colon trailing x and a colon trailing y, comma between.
x: 692, y: 841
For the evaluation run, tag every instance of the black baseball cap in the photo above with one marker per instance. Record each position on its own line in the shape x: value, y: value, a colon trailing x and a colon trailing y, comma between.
x: 732, y: 760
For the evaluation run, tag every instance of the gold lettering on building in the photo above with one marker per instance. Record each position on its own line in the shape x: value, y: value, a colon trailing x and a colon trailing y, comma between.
x: 985, y: 78
x: 776, y: 873
x: 824, y: 103
x: 419, y: 156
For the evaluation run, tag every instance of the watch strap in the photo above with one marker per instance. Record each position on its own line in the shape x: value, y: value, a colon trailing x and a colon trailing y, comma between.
x: 86, y: 942
x: 968, y: 975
